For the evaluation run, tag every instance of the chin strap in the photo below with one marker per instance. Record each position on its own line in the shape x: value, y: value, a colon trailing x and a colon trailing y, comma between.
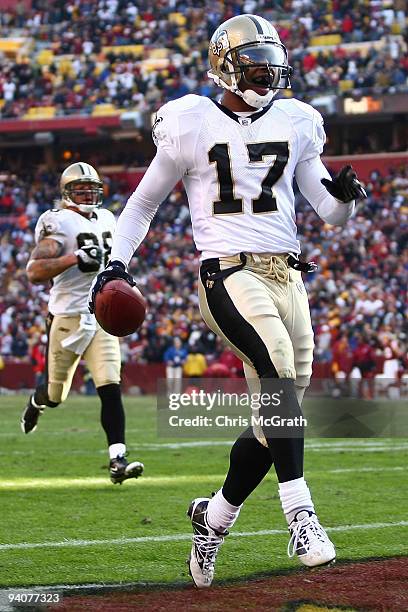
x: 249, y: 96
x: 86, y: 208
x: 253, y: 99
x: 90, y: 208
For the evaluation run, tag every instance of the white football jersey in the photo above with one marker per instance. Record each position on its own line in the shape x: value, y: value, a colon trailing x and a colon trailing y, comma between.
x: 69, y: 291
x: 238, y: 171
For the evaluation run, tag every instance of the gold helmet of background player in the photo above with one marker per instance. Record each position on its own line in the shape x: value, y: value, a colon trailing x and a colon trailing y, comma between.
x: 241, y: 44
x: 81, y: 187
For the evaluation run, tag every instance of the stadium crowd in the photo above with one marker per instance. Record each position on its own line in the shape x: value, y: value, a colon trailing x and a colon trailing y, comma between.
x: 76, y: 55
x: 357, y: 297
x: 81, y: 54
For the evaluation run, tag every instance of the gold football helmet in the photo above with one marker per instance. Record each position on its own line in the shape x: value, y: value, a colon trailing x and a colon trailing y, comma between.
x: 90, y: 196
x: 247, y: 49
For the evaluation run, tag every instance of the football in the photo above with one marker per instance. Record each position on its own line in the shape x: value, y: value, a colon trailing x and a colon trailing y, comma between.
x: 119, y: 308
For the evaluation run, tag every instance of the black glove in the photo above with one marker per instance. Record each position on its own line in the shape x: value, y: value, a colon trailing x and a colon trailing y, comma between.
x: 345, y: 186
x: 114, y: 269
x: 89, y: 258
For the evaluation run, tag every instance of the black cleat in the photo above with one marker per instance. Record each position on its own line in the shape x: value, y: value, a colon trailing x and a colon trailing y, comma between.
x: 121, y: 470
x: 206, y: 543
x: 30, y: 416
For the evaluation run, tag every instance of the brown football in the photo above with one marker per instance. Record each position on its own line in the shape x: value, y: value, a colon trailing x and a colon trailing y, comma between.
x: 119, y: 308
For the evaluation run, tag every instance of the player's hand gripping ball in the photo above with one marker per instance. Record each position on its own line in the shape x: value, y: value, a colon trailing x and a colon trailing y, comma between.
x: 119, y: 307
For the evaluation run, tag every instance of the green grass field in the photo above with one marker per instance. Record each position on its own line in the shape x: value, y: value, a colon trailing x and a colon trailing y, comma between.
x: 63, y: 522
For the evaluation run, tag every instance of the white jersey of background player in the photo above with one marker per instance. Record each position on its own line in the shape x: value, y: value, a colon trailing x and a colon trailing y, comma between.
x: 69, y: 291
x: 72, y: 245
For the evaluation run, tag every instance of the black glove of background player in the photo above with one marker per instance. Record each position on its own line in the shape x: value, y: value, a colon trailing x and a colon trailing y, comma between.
x: 114, y: 270
x: 345, y: 186
x: 89, y: 258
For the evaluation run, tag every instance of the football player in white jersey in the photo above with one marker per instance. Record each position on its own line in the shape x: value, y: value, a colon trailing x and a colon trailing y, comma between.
x: 73, y: 243
x: 237, y: 159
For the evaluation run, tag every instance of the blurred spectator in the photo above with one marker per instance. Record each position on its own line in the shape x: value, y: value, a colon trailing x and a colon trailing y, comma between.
x: 364, y: 359
x: 195, y: 364
x: 131, y: 56
x: 228, y: 359
x: 89, y: 385
x: 19, y: 346
x: 218, y: 370
x: 37, y: 356
x: 387, y: 380
x: 174, y: 358
x: 323, y: 346
x: 342, y: 356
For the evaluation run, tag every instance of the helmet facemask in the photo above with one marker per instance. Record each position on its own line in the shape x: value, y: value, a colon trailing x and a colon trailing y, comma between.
x: 85, y: 194
x: 257, y: 66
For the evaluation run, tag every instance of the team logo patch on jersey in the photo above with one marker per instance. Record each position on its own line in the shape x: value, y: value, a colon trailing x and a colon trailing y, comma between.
x: 155, y: 136
x: 245, y: 120
x: 48, y: 228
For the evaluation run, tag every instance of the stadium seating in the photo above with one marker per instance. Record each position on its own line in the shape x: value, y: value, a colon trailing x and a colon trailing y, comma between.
x: 40, y: 112
x: 130, y: 41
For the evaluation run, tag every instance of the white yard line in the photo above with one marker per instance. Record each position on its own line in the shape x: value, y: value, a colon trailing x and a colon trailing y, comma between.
x: 396, y: 468
x: 96, y: 481
x: 354, y: 444
x: 185, y: 536
x: 370, y: 449
x: 318, y: 445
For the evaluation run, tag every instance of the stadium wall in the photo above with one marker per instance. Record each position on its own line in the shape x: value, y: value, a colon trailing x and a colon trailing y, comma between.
x: 365, y: 164
x: 10, y: 4
x: 17, y: 376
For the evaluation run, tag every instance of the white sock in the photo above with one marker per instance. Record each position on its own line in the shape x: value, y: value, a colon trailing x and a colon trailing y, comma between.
x: 117, y: 450
x: 295, y: 496
x: 221, y: 515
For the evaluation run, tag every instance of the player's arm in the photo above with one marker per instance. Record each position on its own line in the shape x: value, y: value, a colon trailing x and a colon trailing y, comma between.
x: 332, y: 199
x: 134, y: 222
x: 47, y: 261
x: 167, y: 168
x: 165, y: 171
